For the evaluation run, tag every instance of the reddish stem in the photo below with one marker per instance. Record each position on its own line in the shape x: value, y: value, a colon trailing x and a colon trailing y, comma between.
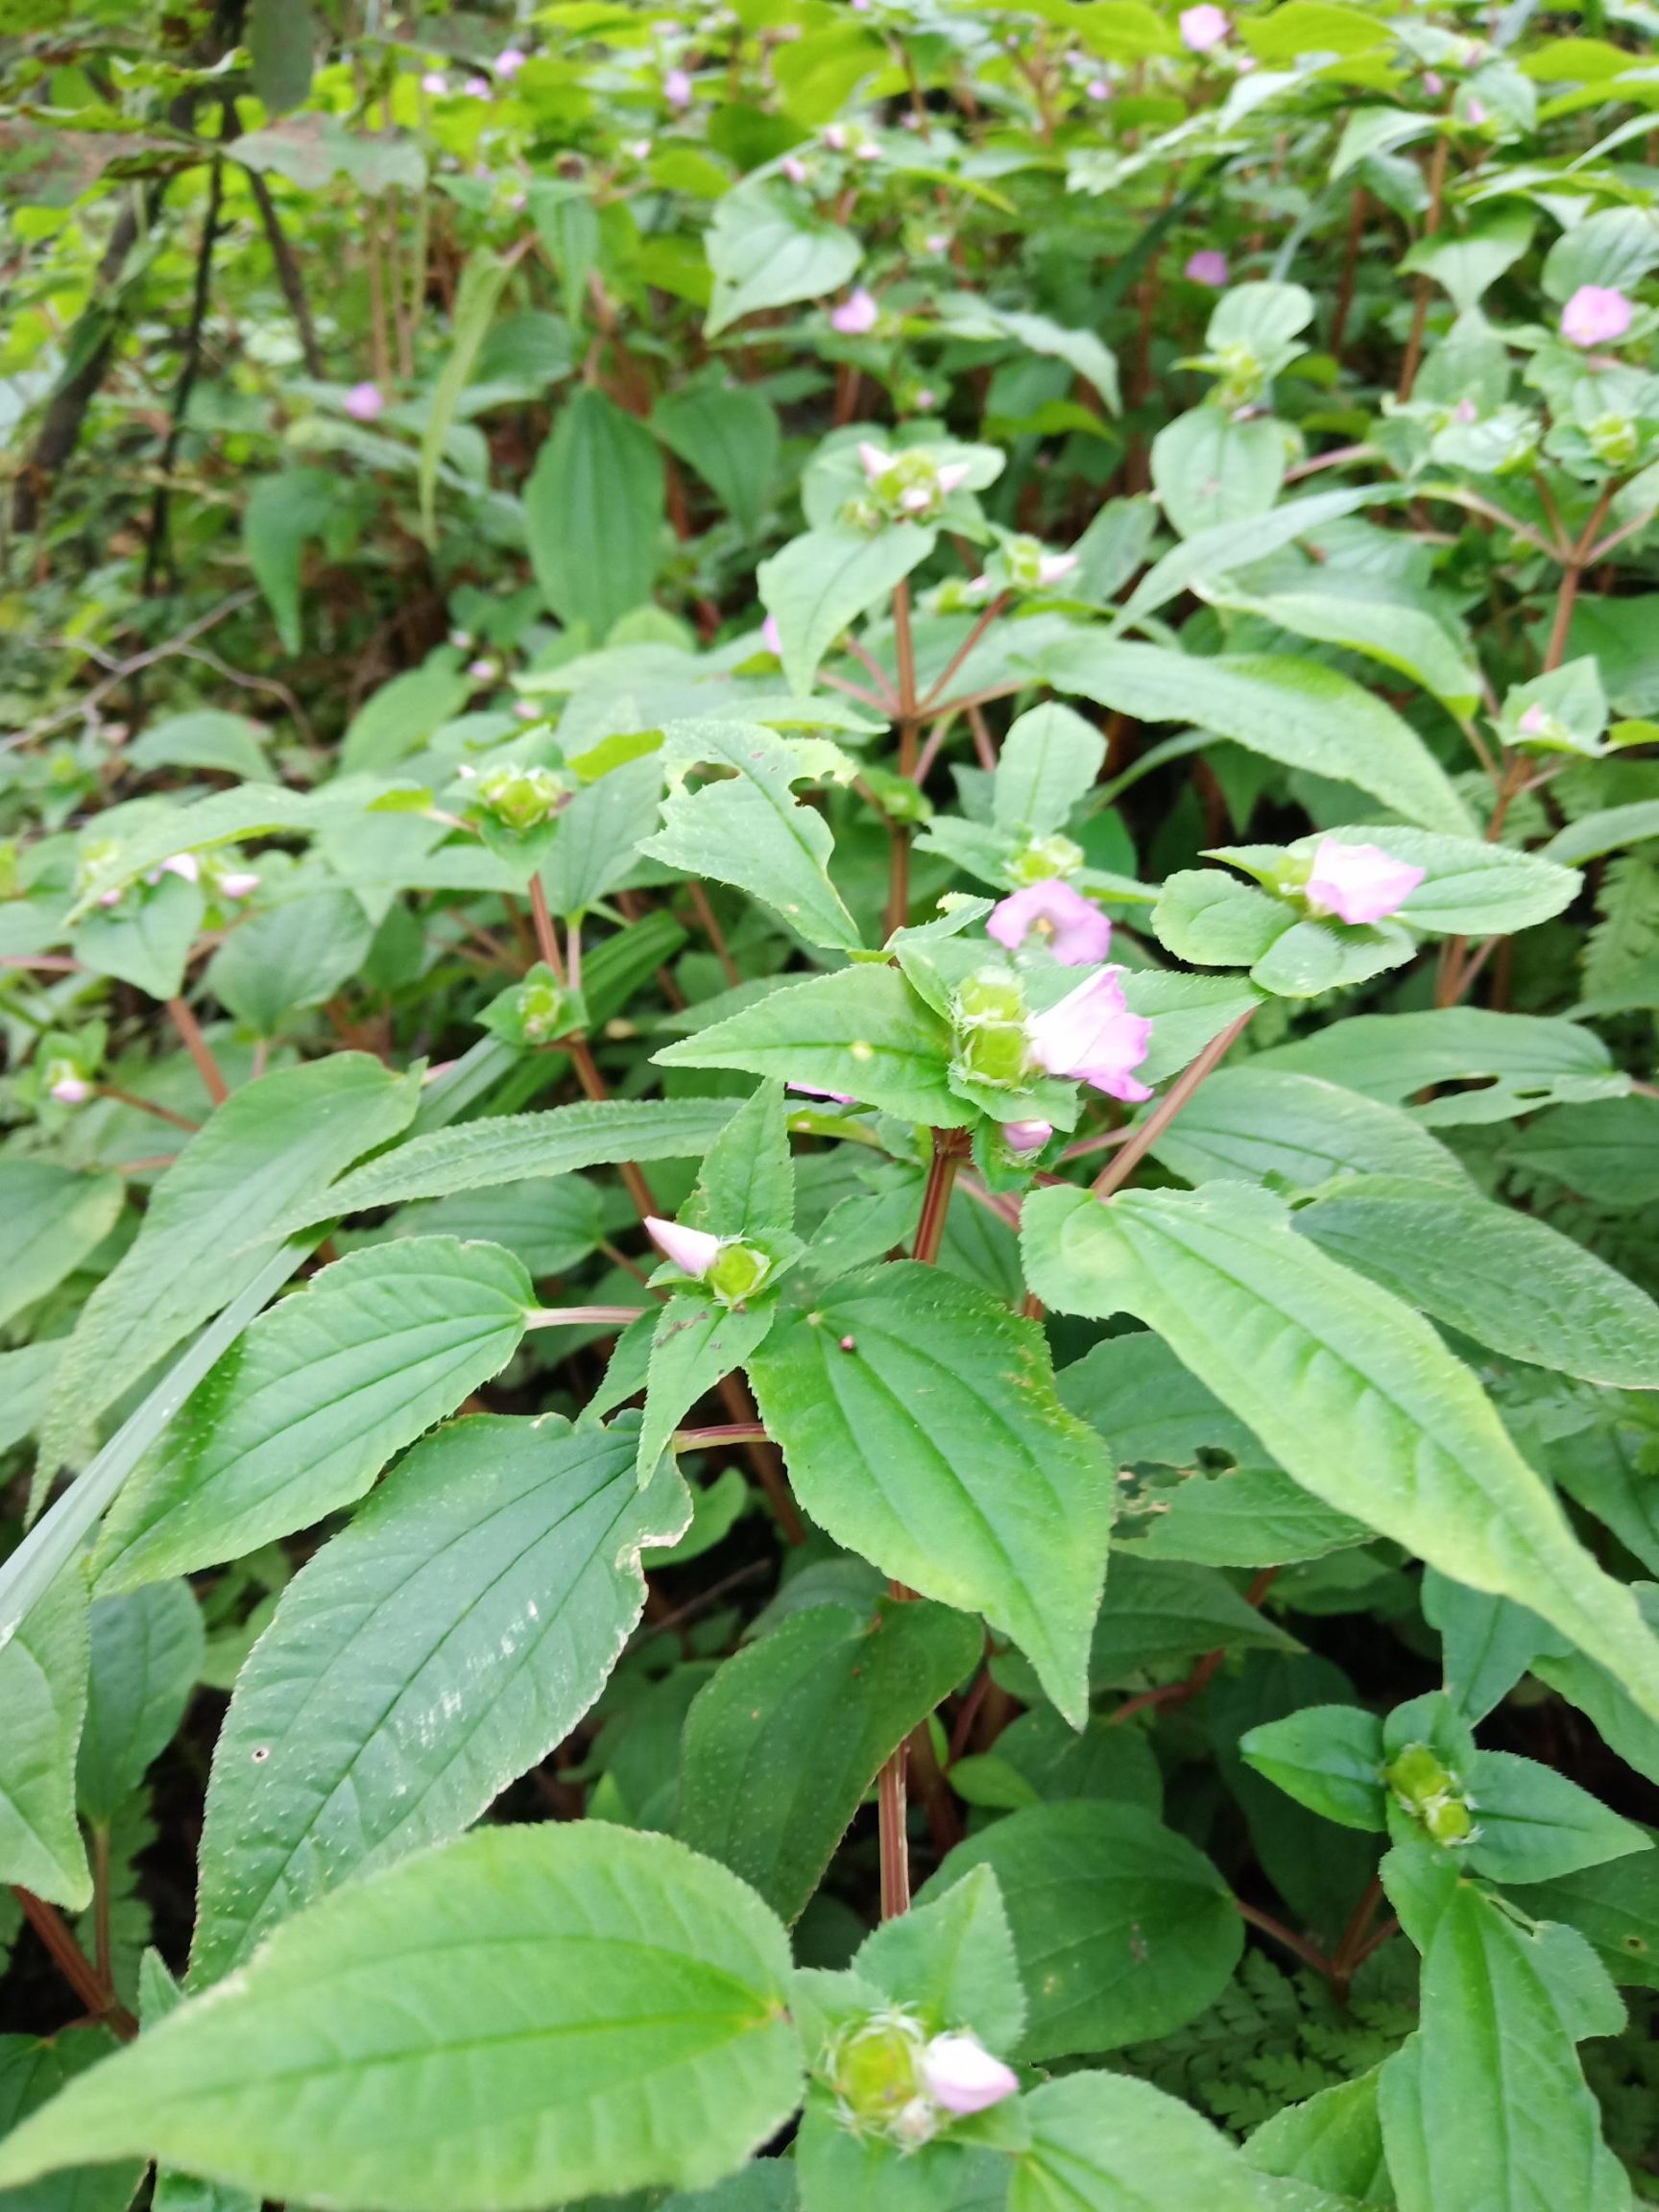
x: 196, y: 1045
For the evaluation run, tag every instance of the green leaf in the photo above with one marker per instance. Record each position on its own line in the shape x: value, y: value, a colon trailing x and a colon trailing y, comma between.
x: 146, y: 1655
x: 1534, y: 1825
x: 398, y: 718
x: 780, y: 1747
x: 821, y: 583
x: 1394, y: 1056
x: 768, y: 247
x: 1296, y: 711
x: 1489, y: 2102
x: 593, y: 513
x: 1614, y: 245
x: 862, y: 1030
x: 476, y: 298
x: 282, y: 514
x: 54, y: 1217
x: 1353, y: 1393
x: 1495, y: 1274
x: 1260, y: 1125
x: 746, y: 1185
x: 1604, y: 830
x: 1156, y: 1611
x: 1217, y: 922
x: 728, y: 433
x: 281, y: 36
x: 30, y: 2075
x: 456, y: 1630
x: 43, y: 1696
x: 1332, y: 2141
x: 920, y: 1426
x: 1123, y: 1930
x: 516, y: 1147
x: 207, y: 738
x: 1615, y: 1906
x: 1468, y: 264
x: 299, y: 1418
x: 295, y: 952
x: 953, y: 1962
x: 1329, y: 1758
x: 1409, y: 638
x: 970, y: 315
x: 1210, y: 471
x: 1487, y: 1643
x: 645, y: 2041
x: 1470, y: 887
x: 1607, y: 1152
x: 1106, y: 2143
x: 1047, y: 766
x: 1613, y: 1702
x: 747, y: 827
x: 213, y: 1225
x: 695, y: 1342
x: 1228, y: 546
x: 146, y: 940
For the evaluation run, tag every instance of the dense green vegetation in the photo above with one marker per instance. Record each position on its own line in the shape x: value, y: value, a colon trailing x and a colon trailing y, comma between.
x: 829, y: 1157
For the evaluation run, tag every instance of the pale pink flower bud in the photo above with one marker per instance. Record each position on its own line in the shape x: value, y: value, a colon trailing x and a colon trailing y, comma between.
x: 873, y: 459
x: 238, y: 883
x: 1055, y: 565
x: 868, y: 152
x: 461, y: 640
x: 927, y: 399
x: 1027, y: 1136
x: 436, y: 82
x: 1098, y: 89
x: 1359, y: 883
x: 937, y: 242
x: 1092, y: 1035
x: 1434, y: 84
x: 771, y: 636
x: 677, y: 89
x: 71, y: 1091
x: 1203, y: 27
x: 950, y: 474
x: 793, y: 169
x: 478, y: 89
x: 817, y: 1090
x: 1475, y: 113
x: 1208, y: 266
x: 693, y: 1251
x: 481, y: 671
x: 1465, y: 411
x: 916, y: 499
x: 1596, y: 315
x: 962, y: 2075
x: 509, y: 61
x: 185, y: 864
x: 639, y: 149
x: 1534, y: 723
x: 365, y: 402
x: 855, y: 314
x: 835, y: 138
x: 108, y: 898
x: 1077, y: 933
x: 527, y: 711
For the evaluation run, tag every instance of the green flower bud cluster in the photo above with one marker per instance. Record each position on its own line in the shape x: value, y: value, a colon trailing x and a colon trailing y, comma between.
x: 1043, y: 859
x: 1242, y: 375
x: 1430, y: 1794
x: 875, y: 2069
x: 522, y: 797
x: 546, y: 1011
x: 738, y: 1271
x: 988, y: 1014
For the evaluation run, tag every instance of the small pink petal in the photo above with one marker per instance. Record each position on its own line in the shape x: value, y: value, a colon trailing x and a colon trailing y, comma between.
x: 1077, y: 933
x: 835, y: 138
x: 817, y: 1090
x: 71, y: 1091
x: 1027, y: 1136
x: 855, y: 314
x: 873, y: 459
x: 185, y: 864
x: 509, y: 61
x: 365, y: 402
x: 794, y: 170
x: 677, y: 89
x: 1092, y: 1035
x: 1053, y: 566
x: 951, y: 474
x: 962, y: 2075
x: 1358, y: 883
x: 1208, y: 267
x: 916, y: 499
x: 1596, y: 315
x: 1098, y: 89
x: 1203, y: 27
x: 693, y: 1251
x: 435, y: 83
x: 771, y: 636
x: 238, y: 883
x: 1534, y: 723
x: 479, y: 88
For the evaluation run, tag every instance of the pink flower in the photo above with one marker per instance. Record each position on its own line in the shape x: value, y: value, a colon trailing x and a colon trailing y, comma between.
x: 1596, y: 315
x: 1359, y: 883
x: 478, y: 89
x: 365, y: 402
x: 962, y: 2075
x: 1027, y: 1136
x: 693, y: 1251
x: 1078, y: 934
x: 71, y: 1091
x: 509, y: 61
x: 237, y: 884
x: 1098, y: 89
x: 677, y: 89
x: 855, y: 314
x: 950, y: 474
x: 1208, y: 266
x: 436, y: 82
x: 868, y: 151
x: 482, y: 671
x: 1203, y: 27
x: 1434, y: 84
x: 835, y: 138
x: 794, y: 170
x: 873, y: 459
x: 1092, y: 1035
x: 771, y: 636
